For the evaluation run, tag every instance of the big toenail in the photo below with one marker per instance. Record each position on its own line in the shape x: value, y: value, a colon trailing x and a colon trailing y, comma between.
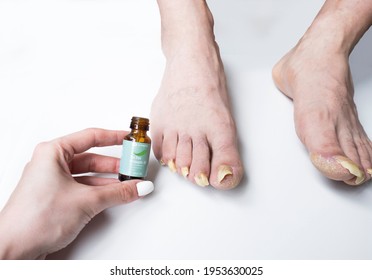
x: 201, y: 180
x: 352, y: 167
x: 369, y: 170
x: 185, y: 171
x: 172, y: 165
x: 223, y: 171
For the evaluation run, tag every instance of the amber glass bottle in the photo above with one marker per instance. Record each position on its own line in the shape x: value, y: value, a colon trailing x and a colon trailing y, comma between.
x: 136, y: 151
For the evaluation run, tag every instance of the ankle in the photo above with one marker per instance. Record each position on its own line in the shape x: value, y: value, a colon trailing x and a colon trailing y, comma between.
x: 186, y: 26
x: 339, y: 27
x: 326, y: 35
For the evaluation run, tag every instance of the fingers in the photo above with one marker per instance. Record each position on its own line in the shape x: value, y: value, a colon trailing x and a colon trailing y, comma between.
x: 81, y: 141
x: 103, y: 197
x: 88, y: 162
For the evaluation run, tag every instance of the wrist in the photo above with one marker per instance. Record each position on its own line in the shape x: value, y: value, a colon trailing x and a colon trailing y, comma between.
x: 8, y: 248
x: 13, y: 245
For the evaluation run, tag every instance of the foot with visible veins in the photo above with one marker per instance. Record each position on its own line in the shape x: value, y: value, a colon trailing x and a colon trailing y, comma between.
x: 316, y: 75
x: 193, y: 131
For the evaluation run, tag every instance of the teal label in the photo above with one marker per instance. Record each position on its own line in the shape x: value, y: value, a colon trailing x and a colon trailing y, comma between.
x: 134, y: 159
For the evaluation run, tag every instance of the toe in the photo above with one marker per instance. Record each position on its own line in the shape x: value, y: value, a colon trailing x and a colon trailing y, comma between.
x: 227, y: 170
x: 339, y: 168
x: 157, y: 143
x: 340, y: 160
x: 365, y: 154
x: 356, y: 147
x: 367, y: 163
x: 200, y: 165
x: 337, y: 160
x: 169, y: 149
x: 184, y: 154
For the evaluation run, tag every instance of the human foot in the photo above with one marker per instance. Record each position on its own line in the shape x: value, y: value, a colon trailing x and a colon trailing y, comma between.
x: 193, y: 131
x: 316, y: 75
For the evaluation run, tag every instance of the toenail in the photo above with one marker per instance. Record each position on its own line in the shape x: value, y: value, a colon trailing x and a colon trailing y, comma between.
x: 352, y: 167
x: 369, y: 170
x: 172, y: 165
x: 201, y: 180
x: 185, y: 171
x: 223, y: 171
x: 162, y: 162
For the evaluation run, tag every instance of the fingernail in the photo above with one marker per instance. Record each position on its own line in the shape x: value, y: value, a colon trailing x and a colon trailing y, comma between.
x: 162, y: 162
x: 185, y: 171
x: 172, y: 165
x: 352, y: 168
x: 144, y: 188
x: 223, y: 171
x: 369, y: 170
x: 201, y: 180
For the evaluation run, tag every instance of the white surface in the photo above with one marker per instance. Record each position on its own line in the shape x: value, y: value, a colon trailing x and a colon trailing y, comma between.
x: 68, y: 65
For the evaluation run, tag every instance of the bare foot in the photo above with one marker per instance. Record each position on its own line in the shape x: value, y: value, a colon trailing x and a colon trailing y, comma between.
x: 193, y: 131
x: 316, y: 75
x: 192, y: 128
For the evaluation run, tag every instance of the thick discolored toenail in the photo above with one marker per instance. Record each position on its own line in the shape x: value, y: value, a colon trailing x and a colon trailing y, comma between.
x: 201, y: 179
x: 353, y: 169
x: 223, y: 171
x: 172, y: 165
x: 185, y: 171
x: 369, y: 170
x: 338, y: 168
x: 162, y: 162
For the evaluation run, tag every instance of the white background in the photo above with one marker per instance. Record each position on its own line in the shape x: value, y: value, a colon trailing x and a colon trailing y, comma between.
x: 68, y: 65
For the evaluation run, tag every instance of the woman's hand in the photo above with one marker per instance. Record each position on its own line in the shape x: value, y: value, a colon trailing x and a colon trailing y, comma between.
x: 50, y: 206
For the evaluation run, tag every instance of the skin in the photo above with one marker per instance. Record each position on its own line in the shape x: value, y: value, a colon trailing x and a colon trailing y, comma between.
x: 193, y: 96
x: 49, y: 207
x: 316, y: 75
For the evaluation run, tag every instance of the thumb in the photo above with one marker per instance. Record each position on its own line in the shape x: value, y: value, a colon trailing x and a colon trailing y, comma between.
x: 110, y: 195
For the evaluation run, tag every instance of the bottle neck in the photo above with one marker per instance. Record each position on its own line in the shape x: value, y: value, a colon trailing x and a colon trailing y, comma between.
x: 138, y: 123
x: 139, y: 132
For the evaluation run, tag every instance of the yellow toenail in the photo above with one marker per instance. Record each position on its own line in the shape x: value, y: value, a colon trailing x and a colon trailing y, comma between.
x: 369, y: 170
x: 201, y: 180
x: 185, y: 171
x: 172, y: 165
x: 353, y: 169
x: 223, y: 171
x: 162, y: 162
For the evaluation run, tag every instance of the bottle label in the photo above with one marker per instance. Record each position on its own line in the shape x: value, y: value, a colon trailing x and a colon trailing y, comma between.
x: 134, y: 159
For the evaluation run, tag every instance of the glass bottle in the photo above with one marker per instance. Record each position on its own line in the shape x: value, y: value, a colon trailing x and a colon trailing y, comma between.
x: 136, y: 151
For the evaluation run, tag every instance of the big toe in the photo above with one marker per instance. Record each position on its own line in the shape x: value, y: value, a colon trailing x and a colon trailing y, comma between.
x: 339, y: 149
x: 339, y: 168
x: 227, y: 169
